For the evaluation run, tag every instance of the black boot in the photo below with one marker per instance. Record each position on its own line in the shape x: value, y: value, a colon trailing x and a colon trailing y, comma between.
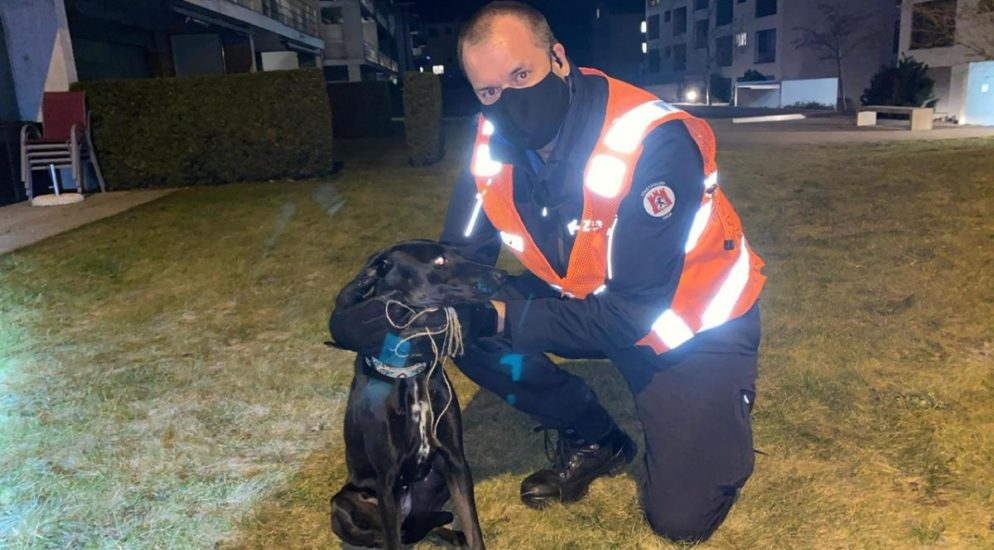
x: 576, y: 463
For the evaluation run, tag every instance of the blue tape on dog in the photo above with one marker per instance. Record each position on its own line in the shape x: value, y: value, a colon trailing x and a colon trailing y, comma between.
x: 394, y: 358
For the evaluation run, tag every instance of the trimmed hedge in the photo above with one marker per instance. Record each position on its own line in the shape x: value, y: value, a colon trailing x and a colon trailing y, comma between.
x: 362, y: 109
x: 210, y: 129
x: 423, y: 118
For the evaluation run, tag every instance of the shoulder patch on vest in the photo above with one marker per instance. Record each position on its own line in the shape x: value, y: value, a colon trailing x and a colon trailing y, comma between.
x: 658, y: 200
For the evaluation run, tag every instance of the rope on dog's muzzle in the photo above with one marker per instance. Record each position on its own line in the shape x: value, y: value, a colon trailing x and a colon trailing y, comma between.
x: 452, y: 346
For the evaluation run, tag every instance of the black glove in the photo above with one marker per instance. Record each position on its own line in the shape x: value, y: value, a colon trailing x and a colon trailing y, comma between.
x: 476, y: 320
x: 360, y: 324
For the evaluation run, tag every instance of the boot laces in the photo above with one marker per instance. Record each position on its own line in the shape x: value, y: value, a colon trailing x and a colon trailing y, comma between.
x: 567, y: 450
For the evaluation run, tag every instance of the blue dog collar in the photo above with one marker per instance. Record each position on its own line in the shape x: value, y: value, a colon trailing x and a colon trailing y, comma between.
x: 399, y: 373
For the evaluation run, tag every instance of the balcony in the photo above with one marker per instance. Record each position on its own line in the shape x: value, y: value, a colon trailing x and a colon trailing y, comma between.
x: 296, y: 14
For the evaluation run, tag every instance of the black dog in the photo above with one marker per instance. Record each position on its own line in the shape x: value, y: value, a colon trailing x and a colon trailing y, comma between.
x: 403, y: 418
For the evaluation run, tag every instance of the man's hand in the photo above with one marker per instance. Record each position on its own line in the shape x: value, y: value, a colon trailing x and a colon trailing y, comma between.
x: 476, y: 320
x: 358, y: 323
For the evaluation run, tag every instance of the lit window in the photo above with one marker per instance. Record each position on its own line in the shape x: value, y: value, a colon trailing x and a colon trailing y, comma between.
x: 438, y: 69
x: 644, y: 27
x: 741, y: 39
x: 645, y: 47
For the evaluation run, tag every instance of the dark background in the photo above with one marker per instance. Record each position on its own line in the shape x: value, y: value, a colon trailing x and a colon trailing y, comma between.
x: 571, y: 20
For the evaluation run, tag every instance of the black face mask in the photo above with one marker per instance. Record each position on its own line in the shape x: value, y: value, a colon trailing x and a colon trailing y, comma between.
x: 530, y: 117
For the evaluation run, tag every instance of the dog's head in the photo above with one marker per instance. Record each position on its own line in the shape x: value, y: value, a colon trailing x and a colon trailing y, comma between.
x: 424, y: 273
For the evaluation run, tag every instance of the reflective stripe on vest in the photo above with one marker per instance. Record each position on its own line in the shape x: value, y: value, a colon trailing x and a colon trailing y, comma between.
x: 721, y: 276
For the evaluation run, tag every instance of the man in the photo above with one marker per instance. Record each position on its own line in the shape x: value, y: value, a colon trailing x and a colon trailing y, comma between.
x: 609, y: 197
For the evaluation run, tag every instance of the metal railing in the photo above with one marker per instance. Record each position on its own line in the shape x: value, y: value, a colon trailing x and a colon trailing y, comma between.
x: 292, y: 13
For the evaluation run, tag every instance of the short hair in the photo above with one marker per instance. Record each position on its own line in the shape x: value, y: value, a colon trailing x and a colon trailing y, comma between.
x: 480, y: 25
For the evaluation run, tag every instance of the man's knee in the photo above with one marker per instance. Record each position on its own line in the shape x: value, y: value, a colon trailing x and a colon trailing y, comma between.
x: 687, y: 518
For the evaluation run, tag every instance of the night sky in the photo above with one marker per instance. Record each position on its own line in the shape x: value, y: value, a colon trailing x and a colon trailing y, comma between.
x: 571, y: 20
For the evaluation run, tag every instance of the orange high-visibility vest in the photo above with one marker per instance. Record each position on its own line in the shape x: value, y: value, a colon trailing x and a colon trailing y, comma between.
x: 721, y: 276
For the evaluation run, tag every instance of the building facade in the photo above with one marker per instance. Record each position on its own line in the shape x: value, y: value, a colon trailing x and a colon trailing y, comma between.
x: 367, y: 39
x: 956, y: 40
x: 49, y: 44
x: 688, y: 40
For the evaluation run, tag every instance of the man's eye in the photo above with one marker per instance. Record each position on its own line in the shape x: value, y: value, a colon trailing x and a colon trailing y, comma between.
x: 523, y: 76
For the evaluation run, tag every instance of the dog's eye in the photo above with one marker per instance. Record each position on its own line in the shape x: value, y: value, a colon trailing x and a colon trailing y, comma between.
x: 439, y: 261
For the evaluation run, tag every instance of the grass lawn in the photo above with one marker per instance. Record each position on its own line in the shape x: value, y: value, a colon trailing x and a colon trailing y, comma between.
x: 163, y: 382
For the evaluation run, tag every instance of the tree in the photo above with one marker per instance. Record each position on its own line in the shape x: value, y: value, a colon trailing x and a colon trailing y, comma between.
x: 906, y: 84
x: 709, y: 55
x: 967, y: 23
x: 840, y: 32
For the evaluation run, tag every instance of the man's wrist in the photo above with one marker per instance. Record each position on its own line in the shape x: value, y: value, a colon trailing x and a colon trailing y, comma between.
x: 500, y: 308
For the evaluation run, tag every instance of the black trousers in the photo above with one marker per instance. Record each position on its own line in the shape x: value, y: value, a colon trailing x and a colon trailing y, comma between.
x: 694, y: 408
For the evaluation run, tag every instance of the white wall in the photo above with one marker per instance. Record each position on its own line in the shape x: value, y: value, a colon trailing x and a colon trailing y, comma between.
x: 40, y: 50
x: 980, y: 94
x: 815, y: 90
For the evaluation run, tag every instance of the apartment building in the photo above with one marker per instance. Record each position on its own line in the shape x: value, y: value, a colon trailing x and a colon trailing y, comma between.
x: 956, y: 40
x: 48, y: 44
x: 367, y: 39
x: 688, y: 40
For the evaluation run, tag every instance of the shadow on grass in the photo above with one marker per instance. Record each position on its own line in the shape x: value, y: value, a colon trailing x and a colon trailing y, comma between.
x: 500, y: 446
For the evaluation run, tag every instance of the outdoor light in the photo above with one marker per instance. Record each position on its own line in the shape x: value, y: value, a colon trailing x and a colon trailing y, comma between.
x: 438, y: 69
x: 691, y: 95
x: 645, y: 48
x: 645, y: 27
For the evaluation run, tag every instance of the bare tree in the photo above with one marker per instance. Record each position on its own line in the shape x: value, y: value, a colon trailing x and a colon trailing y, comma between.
x: 707, y: 56
x: 966, y: 23
x: 840, y: 32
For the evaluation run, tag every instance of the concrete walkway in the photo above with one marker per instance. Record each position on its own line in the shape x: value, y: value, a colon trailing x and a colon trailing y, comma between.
x: 834, y: 130
x: 22, y: 224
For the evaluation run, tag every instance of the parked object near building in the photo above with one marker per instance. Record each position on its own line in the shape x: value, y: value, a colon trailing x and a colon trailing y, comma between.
x: 697, y: 50
x: 956, y: 40
x: 64, y: 143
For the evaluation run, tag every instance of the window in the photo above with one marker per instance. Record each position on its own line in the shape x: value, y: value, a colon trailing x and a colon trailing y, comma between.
x: 653, y: 26
x: 680, y: 57
x: 666, y: 16
x: 740, y: 1
x: 766, y: 46
x: 679, y: 21
x: 331, y: 16
x: 653, y: 65
x: 723, y: 14
x: 701, y: 33
x: 765, y: 7
x: 667, y: 52
x: 897, y: 36
x: 700, y: 4
x: 742, y: 38
x: 652, y: 3
x: 723, y: 51
x: 933, y: 24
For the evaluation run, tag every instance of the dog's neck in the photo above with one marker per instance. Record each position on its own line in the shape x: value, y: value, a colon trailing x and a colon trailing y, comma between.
x: 372, y: 367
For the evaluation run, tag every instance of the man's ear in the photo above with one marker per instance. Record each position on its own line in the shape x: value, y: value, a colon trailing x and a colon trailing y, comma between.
x: 562, y: 66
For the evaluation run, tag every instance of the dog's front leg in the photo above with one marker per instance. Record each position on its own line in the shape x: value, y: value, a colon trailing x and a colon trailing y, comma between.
x: 388, y: 491
x: 460, y: 482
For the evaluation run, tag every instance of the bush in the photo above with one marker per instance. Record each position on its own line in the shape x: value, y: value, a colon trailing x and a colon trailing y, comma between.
x: 423, y: 117
x: 362, y: 109
x: 752, y: 75
x: 906, y: 85
x: 210, y: 129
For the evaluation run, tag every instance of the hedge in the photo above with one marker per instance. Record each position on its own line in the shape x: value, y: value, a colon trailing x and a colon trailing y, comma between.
x: 210, y: 129
x: 362, y: 109
x: 423, y: 117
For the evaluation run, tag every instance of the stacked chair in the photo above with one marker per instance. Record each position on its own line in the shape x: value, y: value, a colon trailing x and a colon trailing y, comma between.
x: 64, y: 143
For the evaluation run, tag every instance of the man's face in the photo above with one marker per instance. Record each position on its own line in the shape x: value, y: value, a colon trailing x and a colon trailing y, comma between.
x: 509, y: 58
